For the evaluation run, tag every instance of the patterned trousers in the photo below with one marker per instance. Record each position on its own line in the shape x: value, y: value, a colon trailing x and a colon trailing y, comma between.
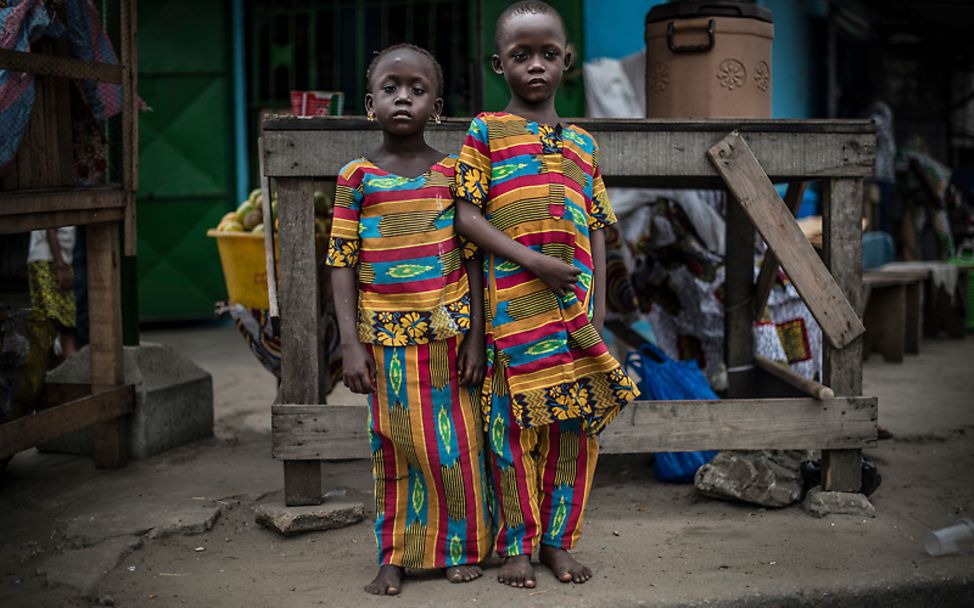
x: 427, y: 459
x: 541, y: 477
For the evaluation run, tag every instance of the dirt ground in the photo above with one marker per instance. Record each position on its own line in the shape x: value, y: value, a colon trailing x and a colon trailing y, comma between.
x: 67, y: 528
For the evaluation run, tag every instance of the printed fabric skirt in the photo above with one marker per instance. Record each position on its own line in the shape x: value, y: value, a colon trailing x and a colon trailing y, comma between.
x: 47, y: 298
x: 427, y: 459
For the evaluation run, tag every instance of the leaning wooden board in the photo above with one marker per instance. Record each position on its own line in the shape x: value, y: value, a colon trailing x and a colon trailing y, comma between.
x: 751, y: 187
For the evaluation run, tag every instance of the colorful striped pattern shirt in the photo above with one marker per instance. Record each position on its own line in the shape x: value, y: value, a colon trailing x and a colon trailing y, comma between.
x: 541, y: 185
x: 398, y: 233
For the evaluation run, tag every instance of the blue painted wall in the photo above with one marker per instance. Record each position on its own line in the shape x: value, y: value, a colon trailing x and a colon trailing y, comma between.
x: 618, y: 32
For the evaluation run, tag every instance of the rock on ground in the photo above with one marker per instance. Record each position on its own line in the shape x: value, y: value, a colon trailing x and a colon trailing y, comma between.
x: 770, y: 478
x: 820, y: 504
x: 295, y: 520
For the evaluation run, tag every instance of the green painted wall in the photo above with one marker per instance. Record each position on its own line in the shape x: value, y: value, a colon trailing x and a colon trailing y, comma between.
x: 185, y: 159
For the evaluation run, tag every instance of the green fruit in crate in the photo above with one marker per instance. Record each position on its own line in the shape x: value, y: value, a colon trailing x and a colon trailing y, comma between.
x: 231, y: 226
x: 230, y: 215
x: 254, y: 197
x: 322, y: 203
x: 258, y: 229
x: 274, y: 207
x: 244, y: 208
x: 252, y: 218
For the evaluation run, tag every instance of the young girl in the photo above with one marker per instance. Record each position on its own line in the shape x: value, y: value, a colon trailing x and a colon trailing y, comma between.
x: 530, y: 193
x: 412, y: 330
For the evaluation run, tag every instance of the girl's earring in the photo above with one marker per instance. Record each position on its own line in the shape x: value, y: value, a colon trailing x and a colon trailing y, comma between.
x: 436, y: 118
x: 370, y: 116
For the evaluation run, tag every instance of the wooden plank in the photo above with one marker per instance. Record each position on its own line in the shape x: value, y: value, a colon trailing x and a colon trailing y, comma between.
x: 105, y: 327
x: 129, y: 122
x: 302, y: 353
x: 316, y: 432
x: 743, y: 174
x: 36, y: 221
x: 270, y: 259
x: 644, y: 152
x: 66, y: 67
x: 842, y: 367
x: 885, y: 319
x: 57, y: 393
x: 56, y: 199
x: 738, y: 322
x: 769, y: 265
x: 49, y: 424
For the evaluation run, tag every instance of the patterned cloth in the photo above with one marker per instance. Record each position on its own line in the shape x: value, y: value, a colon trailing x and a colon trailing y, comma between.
x: 427, y: 459
x: 543, y: 476
x: 542, y: 187
x: 398, y: 232
x: 47, y: 299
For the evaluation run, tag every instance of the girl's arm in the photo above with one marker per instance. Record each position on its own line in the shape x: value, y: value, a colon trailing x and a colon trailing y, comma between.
x: 470, y: 362
x: 358, y: 368
x: 557, y: 275
x: 64, y: 276
x: 597, y: 242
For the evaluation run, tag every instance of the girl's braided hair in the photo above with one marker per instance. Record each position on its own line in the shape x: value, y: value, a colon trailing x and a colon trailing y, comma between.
x: 437, y: 69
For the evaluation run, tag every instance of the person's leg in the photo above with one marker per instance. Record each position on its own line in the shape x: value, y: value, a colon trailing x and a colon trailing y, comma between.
x: 515, y: 483
x: 567, y: 460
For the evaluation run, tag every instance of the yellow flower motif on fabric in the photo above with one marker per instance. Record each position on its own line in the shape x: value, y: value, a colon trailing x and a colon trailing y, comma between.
x: 385, y: 317
x: 391, y: 334
x: 472, y: 180
x: 414, y: 325
x: 408, y: 271
x: 544, y: 347
x: 578, y: 395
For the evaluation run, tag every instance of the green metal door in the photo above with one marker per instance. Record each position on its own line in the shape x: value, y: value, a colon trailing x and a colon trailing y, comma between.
x: 185, y: 145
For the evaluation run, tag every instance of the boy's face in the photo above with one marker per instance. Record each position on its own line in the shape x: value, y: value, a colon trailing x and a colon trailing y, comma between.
x: 403, y: 92
x: 532, y: 55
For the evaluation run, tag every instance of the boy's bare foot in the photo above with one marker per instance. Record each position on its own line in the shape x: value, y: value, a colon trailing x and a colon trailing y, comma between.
x: 463, y: 574
x: 563, y: 565
x: 517, y: 572
x: 387, y: 582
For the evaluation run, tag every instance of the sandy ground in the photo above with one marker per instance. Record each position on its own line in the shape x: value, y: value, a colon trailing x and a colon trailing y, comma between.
x: 66, y: 523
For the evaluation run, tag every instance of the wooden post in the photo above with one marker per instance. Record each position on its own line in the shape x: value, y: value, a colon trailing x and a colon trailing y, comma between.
x: 302, y: 353
x: 738, y: 291
x: 842, y: 367
x: 105, y: 320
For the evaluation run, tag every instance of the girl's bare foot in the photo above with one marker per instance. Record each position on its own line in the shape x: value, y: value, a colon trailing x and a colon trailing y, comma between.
x: 563, y: 565
x: 463, y: 574
x: 517, y: 572
x: 387, y: 582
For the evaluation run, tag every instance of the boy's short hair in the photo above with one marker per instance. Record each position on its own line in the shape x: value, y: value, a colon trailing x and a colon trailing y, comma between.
x: 437, y: 68
x: 525, y: 7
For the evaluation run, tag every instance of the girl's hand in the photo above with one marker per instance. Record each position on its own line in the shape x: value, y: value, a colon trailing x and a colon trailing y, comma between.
x: 470, y: 360
x: 557, y: 275
x: 358, y: 368
x: 65, y: 277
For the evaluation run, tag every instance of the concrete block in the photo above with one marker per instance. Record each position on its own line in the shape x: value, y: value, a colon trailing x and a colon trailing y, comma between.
x: 173, y: 400
x: 819, y: 504
x: 770, y: 478
x: 295, y: 520
x: 82, y: 569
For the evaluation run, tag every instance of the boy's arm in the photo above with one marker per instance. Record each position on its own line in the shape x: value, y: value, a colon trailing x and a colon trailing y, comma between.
x: 64, y: 276
x: 597, y: 242
x: 358, y: 368
x: 470, y: 362
x: 554, y: 273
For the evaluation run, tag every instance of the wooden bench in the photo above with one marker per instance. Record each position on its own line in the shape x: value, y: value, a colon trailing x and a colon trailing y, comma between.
x: 893, y: 318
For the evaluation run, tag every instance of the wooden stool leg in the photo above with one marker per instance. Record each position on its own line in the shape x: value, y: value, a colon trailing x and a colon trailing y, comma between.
x: 914, y: 317
x: 886, y: 321
x: 105, y: 319
x: 302, y: 482
x: 842, y: 368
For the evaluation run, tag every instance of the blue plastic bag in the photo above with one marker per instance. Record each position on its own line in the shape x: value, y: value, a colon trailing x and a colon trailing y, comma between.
x: 663, y: 379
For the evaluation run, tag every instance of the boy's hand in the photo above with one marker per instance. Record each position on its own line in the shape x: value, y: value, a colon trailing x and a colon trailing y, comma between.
x: 470, y: 360
x: 358, y: 368
x: 65, y: 277
x: 557, y: 275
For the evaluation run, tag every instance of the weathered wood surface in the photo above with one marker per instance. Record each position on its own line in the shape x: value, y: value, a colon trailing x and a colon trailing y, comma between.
x: 784, y: 373
x: 51, y: 65
x: 309, y: 432
x: 636, y: 151
x: 302, y: 353
x: 842, y: 367
x: 105, y: 327
x: 25, y: 202
x: 885, y: 319
x: 49, y: 424
x: 270, y: 260
x: 769, y: 265
x: 756, y: 194
x: 130, y: 120
x: 738, y: 291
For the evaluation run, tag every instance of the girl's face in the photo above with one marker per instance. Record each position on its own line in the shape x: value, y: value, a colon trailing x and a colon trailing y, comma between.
x: 403, y: 92
x: 532, y: 55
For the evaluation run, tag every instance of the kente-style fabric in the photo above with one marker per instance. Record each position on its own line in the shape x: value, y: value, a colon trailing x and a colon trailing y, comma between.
x: 542, y: 187
x: 47, y: 299
x: 398, y: 233
x: 427, y: 459
x: 541, y: 478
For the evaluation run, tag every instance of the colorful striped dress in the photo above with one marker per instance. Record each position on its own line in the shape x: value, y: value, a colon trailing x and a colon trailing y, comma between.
x: 413, y: 312
x: 551, y: 384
